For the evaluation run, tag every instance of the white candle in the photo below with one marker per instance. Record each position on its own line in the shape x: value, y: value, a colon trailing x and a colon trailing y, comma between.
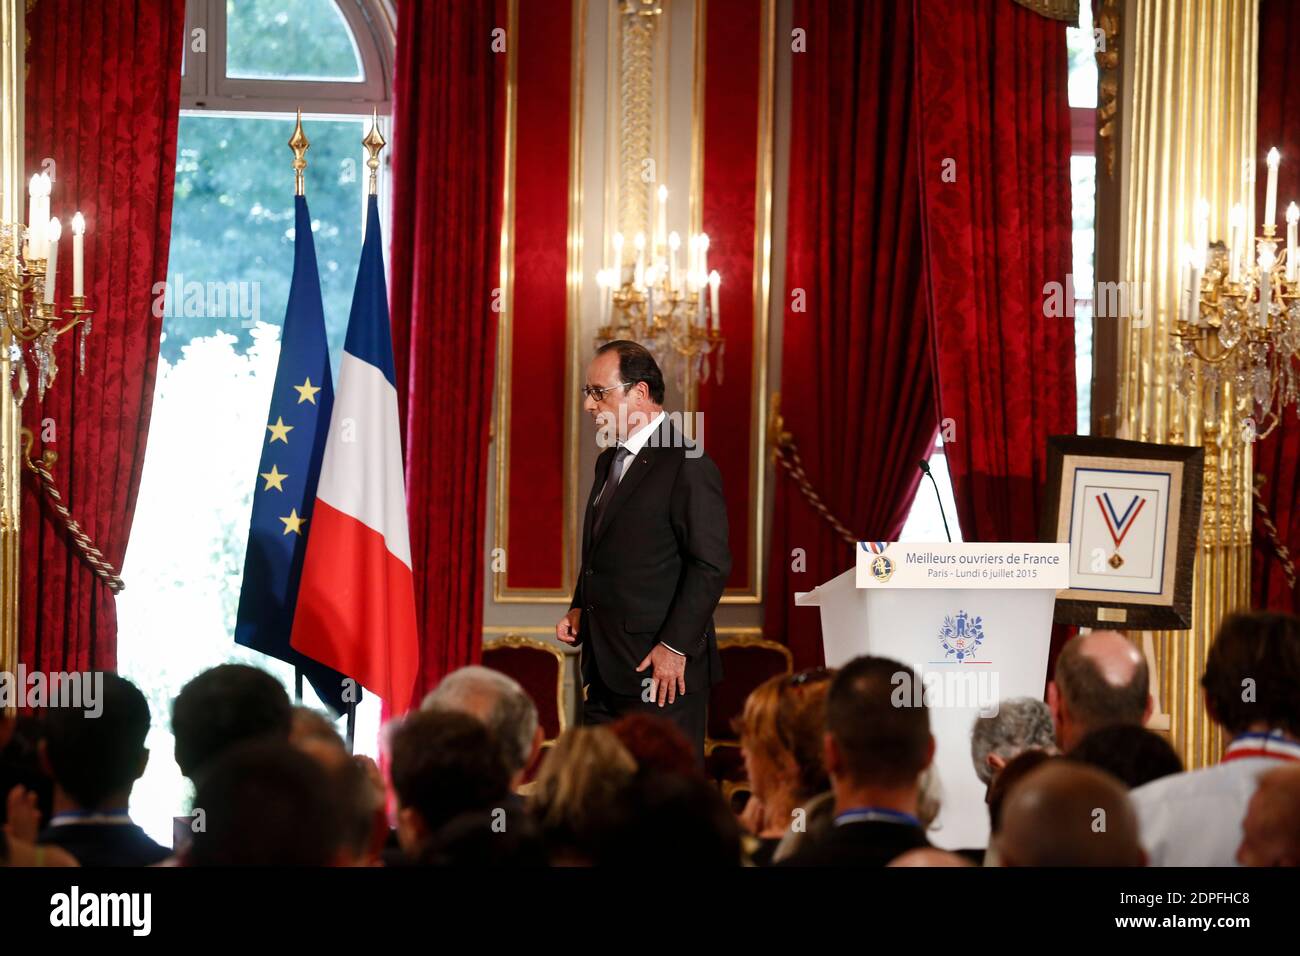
x: 33, y: 203
x: 704, y: 256
x: 714, y: 280
x: 1270, y: 199
x: 78, y: 254
x: 1267, y: 259
x: 1201, y: 218
x: 38, y: 225
x: 1237, y: 228
x: 639, y: 242
x: 674, y: 243
x: 53, y: 231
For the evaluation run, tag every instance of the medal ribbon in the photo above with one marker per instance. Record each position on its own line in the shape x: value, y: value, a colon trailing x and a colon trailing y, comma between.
x: 1127, y: 522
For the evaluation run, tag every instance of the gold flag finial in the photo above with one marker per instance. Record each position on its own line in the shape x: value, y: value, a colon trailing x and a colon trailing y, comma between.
x: 373, y: 143
x: 299, y: 144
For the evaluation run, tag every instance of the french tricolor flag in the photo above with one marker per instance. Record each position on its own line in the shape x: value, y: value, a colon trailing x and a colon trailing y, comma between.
x: 356, y: 602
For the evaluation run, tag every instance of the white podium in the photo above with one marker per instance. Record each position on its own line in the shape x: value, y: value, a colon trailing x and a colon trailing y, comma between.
x: 974, y: 621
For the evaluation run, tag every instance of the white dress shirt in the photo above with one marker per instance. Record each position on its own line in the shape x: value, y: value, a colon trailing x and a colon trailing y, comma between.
x: 634, y: 443
x: 1194, y: 818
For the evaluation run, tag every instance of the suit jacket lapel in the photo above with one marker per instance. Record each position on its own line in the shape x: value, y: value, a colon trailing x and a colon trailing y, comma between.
x: 635, y: 469
x: 602, y: 474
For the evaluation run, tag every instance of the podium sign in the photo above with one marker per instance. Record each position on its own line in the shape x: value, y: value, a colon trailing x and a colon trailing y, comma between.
x: 974, y: 621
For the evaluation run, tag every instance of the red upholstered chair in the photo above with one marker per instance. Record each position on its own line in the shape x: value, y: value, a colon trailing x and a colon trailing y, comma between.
x: 747, y: 661
x: 538, y: 666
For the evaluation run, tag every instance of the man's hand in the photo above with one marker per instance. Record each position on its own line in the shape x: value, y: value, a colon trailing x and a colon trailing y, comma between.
x: 567, y: 629
x: 668, y: 679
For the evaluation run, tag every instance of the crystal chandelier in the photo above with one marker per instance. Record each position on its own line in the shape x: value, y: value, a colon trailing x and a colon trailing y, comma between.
x: 654, y: 289
x: 29, y: 262
x: 650, y: 295
x: 1238, y: 325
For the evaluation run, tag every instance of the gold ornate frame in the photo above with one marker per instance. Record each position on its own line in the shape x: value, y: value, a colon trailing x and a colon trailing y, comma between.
x: 501, y: 592
x: 517, y: 640
x: 13, y: 39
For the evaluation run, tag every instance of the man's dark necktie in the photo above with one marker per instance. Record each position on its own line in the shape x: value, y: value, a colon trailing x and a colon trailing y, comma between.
x: 611, y: 485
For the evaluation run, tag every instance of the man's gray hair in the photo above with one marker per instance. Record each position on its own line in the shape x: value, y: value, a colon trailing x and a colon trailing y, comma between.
x: 496, y: 699
x: 1022, y: 723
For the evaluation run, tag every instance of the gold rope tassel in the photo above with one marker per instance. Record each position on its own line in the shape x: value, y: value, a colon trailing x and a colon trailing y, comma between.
x: 93, y: 557
x: 786, y: 453
x: 1281, y: 550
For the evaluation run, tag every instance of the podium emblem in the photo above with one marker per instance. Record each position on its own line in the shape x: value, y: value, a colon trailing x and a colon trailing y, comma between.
x: 961, y: 635
x: 882, y: 569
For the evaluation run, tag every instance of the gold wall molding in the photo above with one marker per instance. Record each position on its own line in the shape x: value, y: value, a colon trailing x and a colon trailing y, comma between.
x: 13, y: 41
x: 1066, y: 10
x: 501, y: 593
x: 1189, y: 125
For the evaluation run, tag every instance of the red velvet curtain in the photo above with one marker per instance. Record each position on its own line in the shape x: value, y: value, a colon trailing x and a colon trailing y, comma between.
x: 994, y: 128
x: 447, y: 173
x: 857, y: 392
x: 1277, y: 457
x: 102, y: 103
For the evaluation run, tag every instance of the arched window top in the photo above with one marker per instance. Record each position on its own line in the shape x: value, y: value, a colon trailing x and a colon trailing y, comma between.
x: 325, y: 56
x: 290, y: 40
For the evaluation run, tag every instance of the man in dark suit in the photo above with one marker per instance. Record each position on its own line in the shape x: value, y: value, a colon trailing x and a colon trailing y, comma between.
x: 654, y: 554
x: 876, y: 751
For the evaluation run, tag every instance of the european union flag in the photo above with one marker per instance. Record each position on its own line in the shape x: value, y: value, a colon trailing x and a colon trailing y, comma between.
x: 293, y: 445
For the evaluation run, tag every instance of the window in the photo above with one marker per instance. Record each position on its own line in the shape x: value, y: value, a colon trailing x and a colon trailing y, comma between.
x: 248, y: 66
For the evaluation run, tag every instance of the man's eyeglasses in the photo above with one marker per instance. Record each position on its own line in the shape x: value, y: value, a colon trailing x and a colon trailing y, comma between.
x: 597, y: 392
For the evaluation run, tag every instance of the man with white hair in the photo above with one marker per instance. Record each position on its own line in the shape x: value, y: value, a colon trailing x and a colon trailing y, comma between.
x: 1020, y: 724
x: 502, y: 705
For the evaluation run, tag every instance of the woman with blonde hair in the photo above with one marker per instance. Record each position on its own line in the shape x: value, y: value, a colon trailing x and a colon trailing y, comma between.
x: 578, y: 791
x: 781, y: 731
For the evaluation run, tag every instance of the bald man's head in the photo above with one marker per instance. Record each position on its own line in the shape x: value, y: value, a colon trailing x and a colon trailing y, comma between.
x: 1270, y: 833
x: 1068, y: 814
x: 1100, y: 680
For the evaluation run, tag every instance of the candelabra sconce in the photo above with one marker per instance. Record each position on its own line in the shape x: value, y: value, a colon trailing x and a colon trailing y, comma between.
x: 671, y: 321
x: 33, y: 321
x: 1237, y: 334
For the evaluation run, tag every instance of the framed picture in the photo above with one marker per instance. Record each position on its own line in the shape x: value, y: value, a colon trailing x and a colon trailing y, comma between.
x: 1130, y: 512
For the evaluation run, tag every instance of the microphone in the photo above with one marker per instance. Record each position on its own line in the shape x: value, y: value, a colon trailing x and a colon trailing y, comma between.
x: 925, y: 470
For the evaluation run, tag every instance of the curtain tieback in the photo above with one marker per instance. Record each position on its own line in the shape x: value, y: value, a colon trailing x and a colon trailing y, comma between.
x: 93, y: 557
x: 786, y: 453
x: 1283, y: 553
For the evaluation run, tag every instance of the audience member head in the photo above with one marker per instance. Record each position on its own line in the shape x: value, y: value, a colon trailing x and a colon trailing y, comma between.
x: 96, y: 760
x: 1064, y: 813
x: 577, y: 792
x: 671, y: 820
x: 223, y: 706
x: 1131, y: 754
x: 877, y: 740
x: 265, y: 803
x: 1252, y: 674
x: 1100, y: 679
x: 502, y: 705
x: 366, y: 826
x: 656, y: 744
x: 927, y: 856
x: 443, y: 763
x: 1271, y: 829
x: 781, y: 732
x: 1020, y: 724
x: 1017, y: 768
